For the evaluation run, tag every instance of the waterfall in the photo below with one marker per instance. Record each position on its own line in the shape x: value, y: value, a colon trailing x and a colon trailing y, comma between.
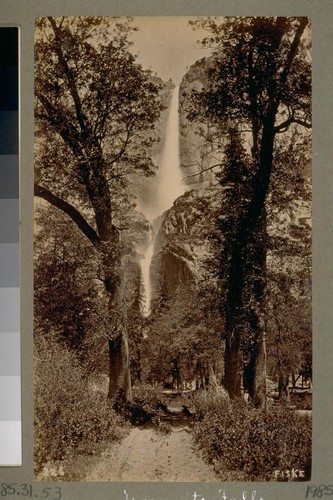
x: 167, y: 187
x: 145, y: 269
x: 169, y: 178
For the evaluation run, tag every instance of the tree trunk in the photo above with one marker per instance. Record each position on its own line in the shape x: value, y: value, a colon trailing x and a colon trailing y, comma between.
x: 255, y: 298
x: 245, y: 306
x: 120, y: 382
x: 176, y: 378
x: 256, y: 371
x: 259, y: 383
x: 119, y: 364
x: 247, y: 280
x: 115, y: 365
x: 233, y: 359
x: 283, y: 386
x: 232, y: 367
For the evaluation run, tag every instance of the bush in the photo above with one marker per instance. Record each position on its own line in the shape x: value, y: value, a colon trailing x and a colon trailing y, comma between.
x: 302, y: 400
x: 252, y: 444
x: 145, y: 406
x: 69, y: 419
x: 214, y: 400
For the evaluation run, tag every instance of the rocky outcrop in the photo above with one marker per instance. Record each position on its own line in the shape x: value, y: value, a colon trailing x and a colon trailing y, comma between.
x: 186, y: 231
x: 135, y: 230
x: 185, y: 239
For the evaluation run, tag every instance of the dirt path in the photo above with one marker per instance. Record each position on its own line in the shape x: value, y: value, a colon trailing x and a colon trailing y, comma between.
x: 149, y: 455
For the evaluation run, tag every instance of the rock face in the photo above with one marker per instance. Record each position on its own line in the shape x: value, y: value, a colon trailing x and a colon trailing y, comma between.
x: 184, y: 232
x: 184, y: 240
x: 193, y: 149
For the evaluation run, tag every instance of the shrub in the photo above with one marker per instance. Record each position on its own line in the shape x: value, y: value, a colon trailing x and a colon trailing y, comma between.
x: 213, y: 400
x: 279, y: 441
x: 69, y: 419
x: 253, y: 444
x: 302, y: 401
x: 145, y: 406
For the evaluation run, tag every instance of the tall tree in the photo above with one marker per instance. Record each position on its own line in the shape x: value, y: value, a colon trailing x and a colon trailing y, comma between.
x: 95, y: 112
x: 260, y: 83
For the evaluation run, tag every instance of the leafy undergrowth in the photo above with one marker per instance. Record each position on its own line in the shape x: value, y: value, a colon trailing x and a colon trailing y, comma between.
x: 146, y: 406
x: 70, y: 419
x: 246, y: 444
x: 302, y: 400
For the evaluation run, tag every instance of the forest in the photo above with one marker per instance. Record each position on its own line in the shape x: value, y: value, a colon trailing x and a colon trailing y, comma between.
x: 172, y: 259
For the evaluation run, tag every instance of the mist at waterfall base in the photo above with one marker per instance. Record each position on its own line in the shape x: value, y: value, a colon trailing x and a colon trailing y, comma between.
x: 165, y: 188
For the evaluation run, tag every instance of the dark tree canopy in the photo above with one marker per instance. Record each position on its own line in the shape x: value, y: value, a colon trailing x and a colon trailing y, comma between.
x: 258, y: 98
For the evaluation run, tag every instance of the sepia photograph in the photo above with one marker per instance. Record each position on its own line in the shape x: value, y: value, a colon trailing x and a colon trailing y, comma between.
x: 172, y: 249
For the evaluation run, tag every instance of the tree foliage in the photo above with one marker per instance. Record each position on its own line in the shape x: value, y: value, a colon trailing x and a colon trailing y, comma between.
x: 183, y: 342
x: 94, y: 106
x: 70, y: 305
x: 259, y: 84
x: 95, y: 112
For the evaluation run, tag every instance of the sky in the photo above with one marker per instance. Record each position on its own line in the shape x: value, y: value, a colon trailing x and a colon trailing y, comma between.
x: 167, y: 45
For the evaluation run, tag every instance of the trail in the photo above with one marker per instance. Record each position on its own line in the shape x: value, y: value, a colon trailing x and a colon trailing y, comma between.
x: 150, y: 455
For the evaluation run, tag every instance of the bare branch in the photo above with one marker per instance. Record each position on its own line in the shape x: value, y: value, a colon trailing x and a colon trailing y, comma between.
x: 203, y: 170
x: 282, y: 127
x: 291, y: 54
x: 68, y: 209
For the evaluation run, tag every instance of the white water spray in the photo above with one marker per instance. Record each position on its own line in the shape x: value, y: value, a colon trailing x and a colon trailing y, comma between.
x: 167, y: 187
x: 145, y: 269
x: 169, y: 178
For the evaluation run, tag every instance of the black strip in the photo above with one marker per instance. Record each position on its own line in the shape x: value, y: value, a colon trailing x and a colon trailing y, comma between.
x: 8, y: 69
